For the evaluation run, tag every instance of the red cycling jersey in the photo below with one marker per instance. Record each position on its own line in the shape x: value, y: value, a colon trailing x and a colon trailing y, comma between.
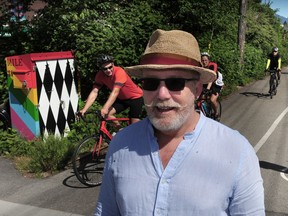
x: 213, y: 66
x: 119, y: 79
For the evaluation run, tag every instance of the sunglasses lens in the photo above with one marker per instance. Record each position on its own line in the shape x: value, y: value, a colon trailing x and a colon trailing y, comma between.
x: 175, y: 84
x: 107, y: 68
x: 150, y: 84
x: 172, y: 84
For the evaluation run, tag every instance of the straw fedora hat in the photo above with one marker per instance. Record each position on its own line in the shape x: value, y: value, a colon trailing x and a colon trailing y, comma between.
x: 174, y: 49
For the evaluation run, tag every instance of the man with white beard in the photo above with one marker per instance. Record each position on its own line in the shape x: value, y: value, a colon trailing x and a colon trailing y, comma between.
x: 177, y: 161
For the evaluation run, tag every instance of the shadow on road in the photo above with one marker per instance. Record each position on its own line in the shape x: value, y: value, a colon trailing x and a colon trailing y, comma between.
x: 72, y: 182
x: 276, y: 167
x: 256, y: 94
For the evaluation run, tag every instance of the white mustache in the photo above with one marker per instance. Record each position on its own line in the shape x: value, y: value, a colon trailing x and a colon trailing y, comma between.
x: 165, y: 104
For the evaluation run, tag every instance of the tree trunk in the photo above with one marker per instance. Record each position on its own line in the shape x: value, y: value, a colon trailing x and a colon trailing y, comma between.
x: 242, y: 30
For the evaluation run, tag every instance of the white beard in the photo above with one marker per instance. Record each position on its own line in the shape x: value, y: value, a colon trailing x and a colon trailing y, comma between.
x: 169, y: 123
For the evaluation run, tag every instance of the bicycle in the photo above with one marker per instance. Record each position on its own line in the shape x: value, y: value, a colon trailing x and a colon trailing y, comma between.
x: 89, y: 156
x: 273, y: 83
x: 5, y: 121
x: 204, y: 104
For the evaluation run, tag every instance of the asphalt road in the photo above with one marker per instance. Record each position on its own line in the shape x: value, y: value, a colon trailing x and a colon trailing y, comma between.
x: 263, y: 121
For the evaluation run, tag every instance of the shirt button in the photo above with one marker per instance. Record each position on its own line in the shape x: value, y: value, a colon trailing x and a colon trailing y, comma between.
x: 164, y: 181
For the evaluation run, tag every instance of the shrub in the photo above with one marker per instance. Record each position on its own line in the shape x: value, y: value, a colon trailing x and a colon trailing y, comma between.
x: 49, y: 154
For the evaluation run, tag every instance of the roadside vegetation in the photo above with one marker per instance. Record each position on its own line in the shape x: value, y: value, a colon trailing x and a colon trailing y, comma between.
x: 122, y: 28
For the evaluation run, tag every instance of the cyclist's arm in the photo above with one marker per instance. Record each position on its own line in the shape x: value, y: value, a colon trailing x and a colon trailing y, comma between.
x: 90, y: 100
x: 213, y: 66
x: 209, y: 85
x: 268, y: 64
x: 279, y: 64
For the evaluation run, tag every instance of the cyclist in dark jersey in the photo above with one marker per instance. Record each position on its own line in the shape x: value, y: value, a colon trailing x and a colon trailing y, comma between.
x: 274, y: 61
x: 215, y: 86
x: 124, y: 92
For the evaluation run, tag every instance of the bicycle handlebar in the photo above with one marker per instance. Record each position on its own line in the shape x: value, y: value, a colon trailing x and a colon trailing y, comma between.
x: 96, y: 112
x: 100, y: 117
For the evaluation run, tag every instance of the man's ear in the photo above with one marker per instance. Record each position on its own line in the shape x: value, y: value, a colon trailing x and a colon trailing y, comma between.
x: 199, y: 88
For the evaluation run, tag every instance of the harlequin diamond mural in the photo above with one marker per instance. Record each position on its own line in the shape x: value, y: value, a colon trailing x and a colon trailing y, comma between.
x: 42, y: 93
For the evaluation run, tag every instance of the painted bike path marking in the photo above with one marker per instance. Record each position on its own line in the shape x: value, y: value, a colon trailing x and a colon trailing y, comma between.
x: 267, y: 135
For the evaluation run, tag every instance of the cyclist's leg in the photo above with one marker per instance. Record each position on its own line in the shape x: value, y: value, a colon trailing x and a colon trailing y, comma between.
x: 214, y: 97
x: 136, y: 109
x: 214, y: 104
x: 278, y: 74
x: 117, y: 107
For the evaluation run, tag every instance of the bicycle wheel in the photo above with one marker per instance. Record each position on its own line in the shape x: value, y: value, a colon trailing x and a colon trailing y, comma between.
x: 88, y: 165
x: 275, y: 86
x: 3, y: 123
x: 4, y: 119
x: 273, y: 89
x: 219, y: 111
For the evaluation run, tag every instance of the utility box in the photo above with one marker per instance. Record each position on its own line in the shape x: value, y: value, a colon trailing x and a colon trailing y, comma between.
x: 42, y: 93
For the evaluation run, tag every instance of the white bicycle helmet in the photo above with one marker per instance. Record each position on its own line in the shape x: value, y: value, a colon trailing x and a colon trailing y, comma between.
x: 205, y: 54
x: 275, y: 49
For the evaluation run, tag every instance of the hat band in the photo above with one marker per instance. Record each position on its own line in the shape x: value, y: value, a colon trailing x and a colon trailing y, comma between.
x: 167, y: 60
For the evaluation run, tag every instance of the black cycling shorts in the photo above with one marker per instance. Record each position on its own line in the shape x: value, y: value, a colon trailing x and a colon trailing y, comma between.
x: 135, y: 106
x: 216, y: 89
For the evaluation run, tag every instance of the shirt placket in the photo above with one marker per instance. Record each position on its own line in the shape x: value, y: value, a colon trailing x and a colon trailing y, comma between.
x: 163, y: 189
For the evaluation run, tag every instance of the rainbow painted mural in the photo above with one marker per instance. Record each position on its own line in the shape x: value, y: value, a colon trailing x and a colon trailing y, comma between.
x: 42, y: 93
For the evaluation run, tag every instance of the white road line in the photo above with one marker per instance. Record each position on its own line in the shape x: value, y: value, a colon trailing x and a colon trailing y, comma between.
x: 283, y: 176
x: 9, y: 209
x: 270, y: 131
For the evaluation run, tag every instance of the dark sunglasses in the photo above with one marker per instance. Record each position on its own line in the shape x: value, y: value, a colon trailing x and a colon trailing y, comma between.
x: 172, y: 84
x: 107, y: 68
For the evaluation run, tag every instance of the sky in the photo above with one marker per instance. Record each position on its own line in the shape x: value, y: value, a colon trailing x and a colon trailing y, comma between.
x: 281, y: 5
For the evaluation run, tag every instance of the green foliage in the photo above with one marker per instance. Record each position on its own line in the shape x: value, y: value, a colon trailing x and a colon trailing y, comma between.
x: 50, y: 154
x: 11, y: 144
x: 3, y: 87
x: 254, y: 63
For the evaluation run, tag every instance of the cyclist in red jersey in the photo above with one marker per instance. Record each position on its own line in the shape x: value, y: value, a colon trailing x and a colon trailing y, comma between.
x: 215, y: 86
x: 124, y: 92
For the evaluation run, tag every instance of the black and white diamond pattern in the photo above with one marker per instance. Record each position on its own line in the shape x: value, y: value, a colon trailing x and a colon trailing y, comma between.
x: 57, y: 94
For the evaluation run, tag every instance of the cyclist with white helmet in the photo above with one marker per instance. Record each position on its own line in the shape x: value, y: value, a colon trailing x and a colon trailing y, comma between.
x: 124, y: 92
x: 274, y: 61
x: 215, y: 86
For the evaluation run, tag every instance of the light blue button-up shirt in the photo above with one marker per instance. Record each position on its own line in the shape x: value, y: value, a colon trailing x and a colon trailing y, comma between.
x: 214, y: 171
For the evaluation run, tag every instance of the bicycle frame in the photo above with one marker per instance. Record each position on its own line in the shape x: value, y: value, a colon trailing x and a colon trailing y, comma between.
x: 103, y: 130
x: 89, y: 155
x: 204, y: 97
x: 204, y: 104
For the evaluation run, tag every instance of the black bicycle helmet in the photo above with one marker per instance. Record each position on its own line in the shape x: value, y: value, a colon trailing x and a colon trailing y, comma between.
x: 104, y: 59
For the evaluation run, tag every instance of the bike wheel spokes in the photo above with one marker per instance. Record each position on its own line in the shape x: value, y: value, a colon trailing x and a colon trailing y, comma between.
x: 88, y: 165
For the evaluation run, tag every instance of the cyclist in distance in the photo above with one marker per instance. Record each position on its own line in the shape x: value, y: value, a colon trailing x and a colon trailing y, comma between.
x: 214, y: 86
x: 124, y: 92
x: 274, y: 62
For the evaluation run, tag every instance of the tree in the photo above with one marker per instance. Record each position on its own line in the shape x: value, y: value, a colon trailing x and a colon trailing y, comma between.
x: 242, y: 30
